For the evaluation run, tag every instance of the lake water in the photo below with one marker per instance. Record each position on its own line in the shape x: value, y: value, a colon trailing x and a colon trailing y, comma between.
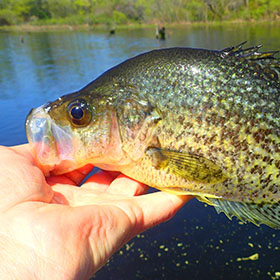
x: 197, y: 243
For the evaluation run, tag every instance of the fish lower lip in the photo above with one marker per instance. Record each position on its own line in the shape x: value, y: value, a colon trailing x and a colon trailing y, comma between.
x: 64, y: 144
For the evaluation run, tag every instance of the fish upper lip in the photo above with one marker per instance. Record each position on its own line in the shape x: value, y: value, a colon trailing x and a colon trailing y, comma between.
x: 39, y: 135
x: 36, y: 125
x: 51, y: 143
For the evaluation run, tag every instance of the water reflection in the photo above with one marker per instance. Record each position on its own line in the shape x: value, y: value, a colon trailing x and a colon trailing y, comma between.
x: 197, y: 243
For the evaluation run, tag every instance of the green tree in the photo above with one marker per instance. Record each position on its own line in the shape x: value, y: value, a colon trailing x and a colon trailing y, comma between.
x: 82, y: 6
x: 123, y: 11
x: 60, y: 8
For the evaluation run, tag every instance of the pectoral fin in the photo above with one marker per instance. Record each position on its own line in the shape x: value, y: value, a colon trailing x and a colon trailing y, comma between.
x: 188, y: 166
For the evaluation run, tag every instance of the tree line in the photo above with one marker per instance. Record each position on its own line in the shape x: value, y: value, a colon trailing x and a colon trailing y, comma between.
x: 134, y: 11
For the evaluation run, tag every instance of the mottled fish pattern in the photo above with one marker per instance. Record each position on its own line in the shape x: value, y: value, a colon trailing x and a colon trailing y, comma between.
x: 194, y: 121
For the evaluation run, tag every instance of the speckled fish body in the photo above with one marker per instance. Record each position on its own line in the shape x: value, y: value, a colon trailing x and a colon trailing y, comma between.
x: 187, y: 121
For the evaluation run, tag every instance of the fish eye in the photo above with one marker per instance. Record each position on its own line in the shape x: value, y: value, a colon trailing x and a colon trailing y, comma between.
x: 79, y: 113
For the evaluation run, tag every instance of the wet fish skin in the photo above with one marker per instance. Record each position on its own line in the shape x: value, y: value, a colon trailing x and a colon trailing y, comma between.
x: 188, y: 121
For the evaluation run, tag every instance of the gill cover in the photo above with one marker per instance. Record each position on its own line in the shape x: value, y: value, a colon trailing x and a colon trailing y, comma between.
x: 137, y: 120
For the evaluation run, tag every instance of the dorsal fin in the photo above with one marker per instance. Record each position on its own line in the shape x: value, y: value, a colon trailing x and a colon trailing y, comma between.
x: 266, y: 64
x: 251, y: 53
x: 265, y: 213
x: 232, y: 50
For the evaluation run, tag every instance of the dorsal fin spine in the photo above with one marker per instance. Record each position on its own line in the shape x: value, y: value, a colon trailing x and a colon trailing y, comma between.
x: 251, y: 53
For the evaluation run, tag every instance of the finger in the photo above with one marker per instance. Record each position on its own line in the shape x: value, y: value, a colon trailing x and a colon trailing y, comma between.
x: 100, y: 181
x: 70, y: 195
x: 73, y: 196
x: 74, y: 177
x: 159, y: 207
x: 102, y: 176
x: 59, y: 179
x: 21, y: 181
x: 123, y: 185
x: 78, y: 175
x: 21, y: 148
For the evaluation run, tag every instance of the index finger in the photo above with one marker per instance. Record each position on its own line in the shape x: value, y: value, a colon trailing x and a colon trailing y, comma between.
x: 159, y: 207
x: 74, y: 177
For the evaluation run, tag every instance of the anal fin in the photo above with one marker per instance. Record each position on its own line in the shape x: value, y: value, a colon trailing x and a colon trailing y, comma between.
x: 206, y: 200
x: 265, y: 213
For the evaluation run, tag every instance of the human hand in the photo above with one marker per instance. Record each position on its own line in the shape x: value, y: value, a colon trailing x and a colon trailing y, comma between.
x: 51, y: 229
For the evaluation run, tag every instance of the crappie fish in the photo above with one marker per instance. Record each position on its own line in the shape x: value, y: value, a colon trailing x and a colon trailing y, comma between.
x: 188, y: 121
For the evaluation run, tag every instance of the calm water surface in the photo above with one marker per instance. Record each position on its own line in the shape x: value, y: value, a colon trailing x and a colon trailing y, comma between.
x: 197, y: 243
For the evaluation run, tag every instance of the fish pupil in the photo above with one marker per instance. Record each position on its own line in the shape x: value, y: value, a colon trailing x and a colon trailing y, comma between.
x: 77, y: 112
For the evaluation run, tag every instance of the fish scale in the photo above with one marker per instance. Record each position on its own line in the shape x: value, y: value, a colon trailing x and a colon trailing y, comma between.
x: 187, y: 121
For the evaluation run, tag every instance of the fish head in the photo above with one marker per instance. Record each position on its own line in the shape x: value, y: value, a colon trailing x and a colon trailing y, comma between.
x: 71, y: 132
x: 108, y: 130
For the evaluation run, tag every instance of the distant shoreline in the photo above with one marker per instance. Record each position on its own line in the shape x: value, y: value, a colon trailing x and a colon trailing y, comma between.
x: 68, y: 27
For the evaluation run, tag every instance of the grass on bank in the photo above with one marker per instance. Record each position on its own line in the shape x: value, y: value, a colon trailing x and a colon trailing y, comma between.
x: 66, y: 26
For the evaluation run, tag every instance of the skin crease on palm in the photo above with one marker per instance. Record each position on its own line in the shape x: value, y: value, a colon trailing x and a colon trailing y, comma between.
x: 52, y: 228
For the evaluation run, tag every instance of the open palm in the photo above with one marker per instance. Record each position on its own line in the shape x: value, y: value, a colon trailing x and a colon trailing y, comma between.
x: 51, y: 228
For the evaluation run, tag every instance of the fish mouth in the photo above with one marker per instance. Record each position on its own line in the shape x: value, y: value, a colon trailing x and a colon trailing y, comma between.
x: 51, y: 143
